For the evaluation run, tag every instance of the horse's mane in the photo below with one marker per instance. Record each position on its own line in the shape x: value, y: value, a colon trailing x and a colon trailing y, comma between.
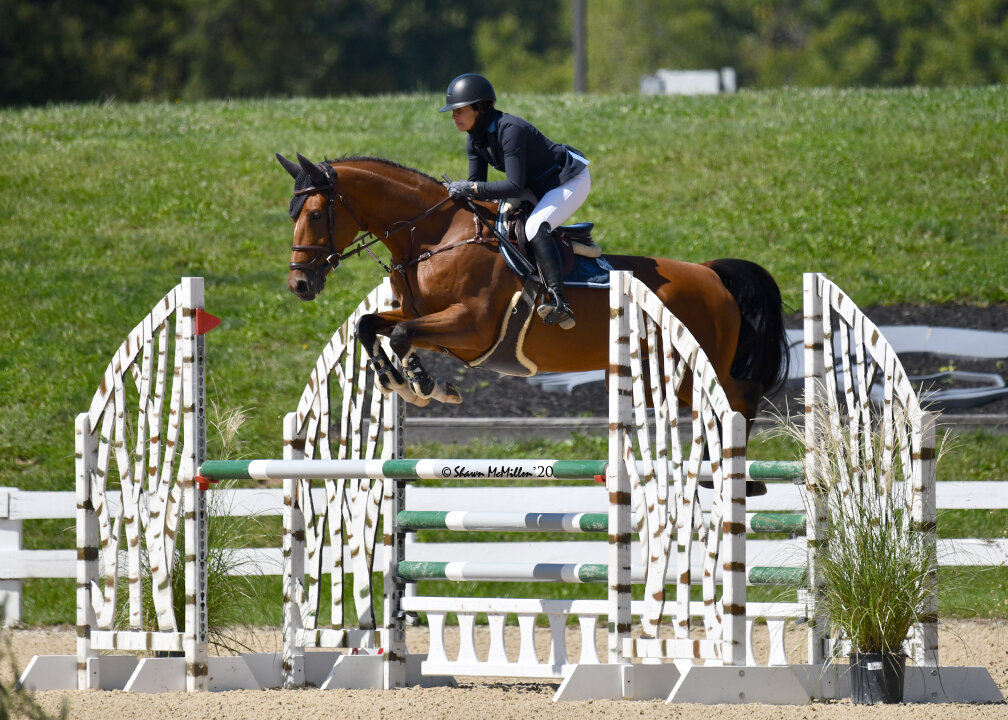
x: 384, y: 161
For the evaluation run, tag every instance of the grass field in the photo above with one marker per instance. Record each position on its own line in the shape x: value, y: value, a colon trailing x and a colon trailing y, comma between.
x: 900, y: 196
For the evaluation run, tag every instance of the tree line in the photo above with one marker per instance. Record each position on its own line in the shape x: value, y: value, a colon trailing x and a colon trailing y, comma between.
x: 812, y: 43
x: 81, y: 50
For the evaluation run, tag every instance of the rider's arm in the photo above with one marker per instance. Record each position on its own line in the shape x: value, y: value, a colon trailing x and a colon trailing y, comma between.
x: 477, y: 164
x: 514, y: 145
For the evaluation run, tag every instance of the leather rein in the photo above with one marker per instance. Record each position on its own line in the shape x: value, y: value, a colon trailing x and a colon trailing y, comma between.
x: 361, y: 243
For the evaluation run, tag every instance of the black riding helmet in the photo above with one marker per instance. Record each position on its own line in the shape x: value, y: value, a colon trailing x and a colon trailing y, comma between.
x: 468, y: 89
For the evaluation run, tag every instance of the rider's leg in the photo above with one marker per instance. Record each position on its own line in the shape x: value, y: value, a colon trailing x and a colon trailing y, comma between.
x: 557, y: 205
x: 554, y: 309
x: 551, y: 211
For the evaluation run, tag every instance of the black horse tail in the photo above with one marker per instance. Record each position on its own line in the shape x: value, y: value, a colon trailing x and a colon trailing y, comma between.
x: 762, y: 354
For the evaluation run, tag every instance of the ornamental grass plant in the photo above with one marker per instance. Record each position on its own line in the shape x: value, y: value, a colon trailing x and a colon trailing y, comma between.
x: 875, y: 567
x: 233, y: 595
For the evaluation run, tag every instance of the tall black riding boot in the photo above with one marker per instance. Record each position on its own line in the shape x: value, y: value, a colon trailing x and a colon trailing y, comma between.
x: 554, y: 309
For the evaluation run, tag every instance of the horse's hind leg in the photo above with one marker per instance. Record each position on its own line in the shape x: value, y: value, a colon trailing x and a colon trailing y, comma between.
x: 744, y: 396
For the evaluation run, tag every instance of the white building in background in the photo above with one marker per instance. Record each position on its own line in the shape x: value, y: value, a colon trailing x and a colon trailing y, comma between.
x: 689, y: 82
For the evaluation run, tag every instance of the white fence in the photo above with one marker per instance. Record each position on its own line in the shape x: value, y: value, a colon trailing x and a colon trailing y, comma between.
x: 18, y: 563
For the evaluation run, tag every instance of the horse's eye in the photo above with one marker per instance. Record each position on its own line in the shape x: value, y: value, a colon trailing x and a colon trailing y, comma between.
x: 315, y: 216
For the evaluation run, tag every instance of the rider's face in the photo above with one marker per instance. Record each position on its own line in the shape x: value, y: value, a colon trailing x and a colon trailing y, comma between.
x: 464, y: 117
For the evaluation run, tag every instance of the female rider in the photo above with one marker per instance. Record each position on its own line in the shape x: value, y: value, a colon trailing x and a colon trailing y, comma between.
x: 556, y: 175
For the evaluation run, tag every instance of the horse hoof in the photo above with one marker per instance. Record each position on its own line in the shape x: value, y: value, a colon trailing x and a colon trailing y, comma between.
x: 447, y: 393
x: 385, y: 383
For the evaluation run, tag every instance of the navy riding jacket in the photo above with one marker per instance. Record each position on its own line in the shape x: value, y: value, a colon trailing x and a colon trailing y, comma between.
x: 527, y: 158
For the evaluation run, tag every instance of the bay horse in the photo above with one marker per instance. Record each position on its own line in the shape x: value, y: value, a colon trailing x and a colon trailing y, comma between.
x: 454, y: 288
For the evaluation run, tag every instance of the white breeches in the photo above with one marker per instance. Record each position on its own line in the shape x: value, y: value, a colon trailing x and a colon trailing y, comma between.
x: 559, y: 204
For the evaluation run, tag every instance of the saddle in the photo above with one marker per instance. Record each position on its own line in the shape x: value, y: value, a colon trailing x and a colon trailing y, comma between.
x: 571, y: 240
x: 506, y: 356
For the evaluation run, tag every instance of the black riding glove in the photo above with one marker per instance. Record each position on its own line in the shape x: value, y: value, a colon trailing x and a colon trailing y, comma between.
x: 461, y: 188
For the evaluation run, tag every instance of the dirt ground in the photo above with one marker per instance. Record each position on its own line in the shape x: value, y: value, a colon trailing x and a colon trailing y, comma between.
x: 970, y: 642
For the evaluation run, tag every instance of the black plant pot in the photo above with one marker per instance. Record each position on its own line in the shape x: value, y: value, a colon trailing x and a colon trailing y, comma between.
x: 876, y: 677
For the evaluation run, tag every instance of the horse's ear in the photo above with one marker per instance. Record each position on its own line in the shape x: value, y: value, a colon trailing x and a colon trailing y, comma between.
x: 289, y: 165
x: 317, y: 174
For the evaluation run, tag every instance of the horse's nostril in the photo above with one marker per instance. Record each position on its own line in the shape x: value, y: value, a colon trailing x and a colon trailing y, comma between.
x: 302, y: 287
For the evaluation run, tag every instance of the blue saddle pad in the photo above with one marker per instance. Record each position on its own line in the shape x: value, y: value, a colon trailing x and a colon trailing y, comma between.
x: 589, y: 272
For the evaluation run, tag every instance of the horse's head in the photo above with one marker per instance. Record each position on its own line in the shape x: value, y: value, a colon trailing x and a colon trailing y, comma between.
x: 323, y: 225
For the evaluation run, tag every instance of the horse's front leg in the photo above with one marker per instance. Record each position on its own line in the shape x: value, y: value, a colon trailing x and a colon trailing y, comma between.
x: 455, y: 328
x: 388, y: 375
x: 425, y: 385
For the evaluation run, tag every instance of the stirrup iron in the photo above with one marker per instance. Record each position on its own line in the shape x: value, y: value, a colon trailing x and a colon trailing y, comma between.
x: 555, y: 311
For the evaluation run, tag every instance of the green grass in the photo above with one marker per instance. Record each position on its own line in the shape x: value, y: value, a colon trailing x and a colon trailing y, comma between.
x: 899, y: 195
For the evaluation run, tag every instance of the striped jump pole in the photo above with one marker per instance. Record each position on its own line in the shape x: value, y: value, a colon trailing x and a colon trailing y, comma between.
x: 416, y: 570
x: 452, y: 469
x: 422, y: 469
x: 792, y: 523
x: 413, y: 520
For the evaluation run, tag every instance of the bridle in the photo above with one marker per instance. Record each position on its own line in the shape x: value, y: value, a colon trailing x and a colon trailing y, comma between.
x: 333, y: 257
x: 326, y: 258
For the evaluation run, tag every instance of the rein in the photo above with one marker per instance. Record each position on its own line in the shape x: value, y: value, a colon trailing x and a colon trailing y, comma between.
x: 478, y: 220
x: 322, y: 266
x: 358, y: 244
